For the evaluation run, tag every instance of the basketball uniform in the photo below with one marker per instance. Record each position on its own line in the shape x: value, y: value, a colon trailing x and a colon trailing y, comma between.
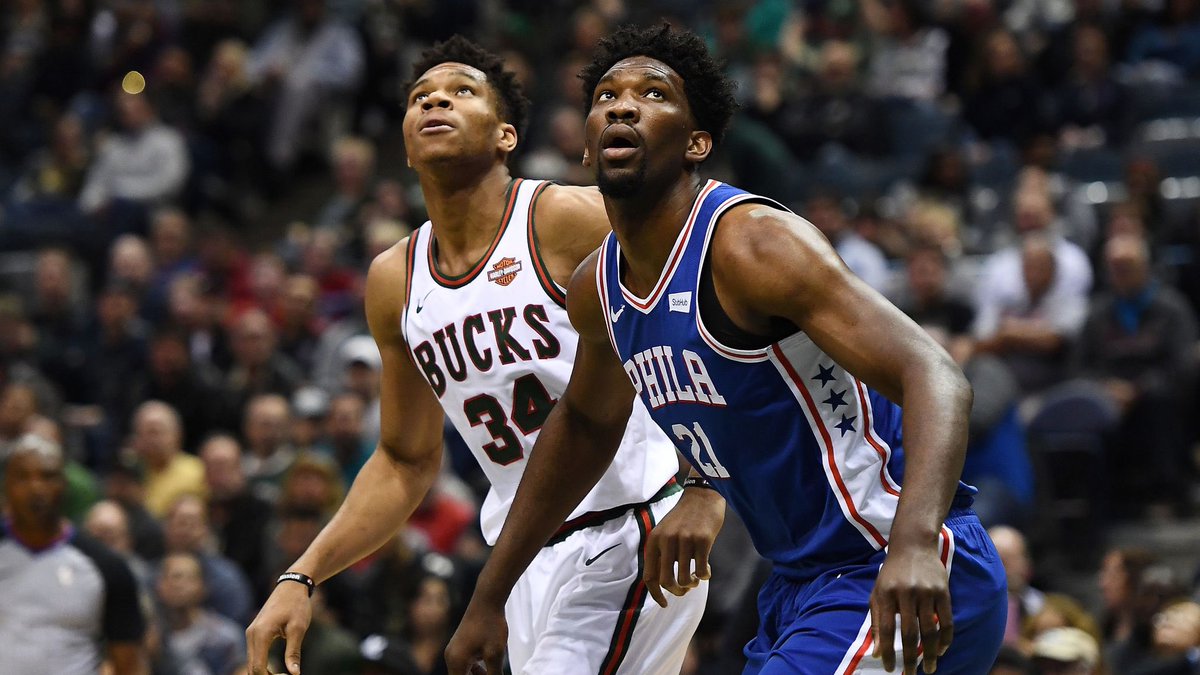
x: 806, y: 454
x: 496, y: 346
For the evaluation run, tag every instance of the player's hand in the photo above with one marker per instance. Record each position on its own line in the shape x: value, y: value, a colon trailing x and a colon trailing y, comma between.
x: 912, y: 583
x: 477, y: 647
x: 286, y: 614
x: 686, y: 534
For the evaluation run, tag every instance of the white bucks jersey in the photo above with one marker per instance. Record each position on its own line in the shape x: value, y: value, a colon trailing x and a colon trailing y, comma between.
x: 496, y: 346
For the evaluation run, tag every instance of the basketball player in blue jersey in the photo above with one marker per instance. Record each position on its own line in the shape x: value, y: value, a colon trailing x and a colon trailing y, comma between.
x: 780, y: 375
x: 471, y: 324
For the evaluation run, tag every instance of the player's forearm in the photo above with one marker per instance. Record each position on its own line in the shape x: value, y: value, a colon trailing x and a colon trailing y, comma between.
x: 383, y: 496
x: 570, y: 456
x: 937, y: 404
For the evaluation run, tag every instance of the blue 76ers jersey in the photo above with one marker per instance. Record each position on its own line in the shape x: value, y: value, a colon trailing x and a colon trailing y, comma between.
x: 804, y: 452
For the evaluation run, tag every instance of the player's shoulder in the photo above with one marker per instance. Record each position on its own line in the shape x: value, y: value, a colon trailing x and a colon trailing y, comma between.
x: 570, y: 220
x: 387, y: 285
x: 752, y: 233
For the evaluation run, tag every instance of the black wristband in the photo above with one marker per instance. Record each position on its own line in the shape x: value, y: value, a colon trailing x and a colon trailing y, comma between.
x: 698, y: 481
x: 298, y: 578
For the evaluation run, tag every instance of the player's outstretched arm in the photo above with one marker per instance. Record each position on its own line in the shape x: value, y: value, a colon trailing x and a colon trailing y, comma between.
x: 573, y: 450
x: 388, y: 488
x: 797, y: 275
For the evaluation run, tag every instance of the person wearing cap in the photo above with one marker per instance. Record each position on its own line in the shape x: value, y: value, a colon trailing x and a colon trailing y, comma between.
x: 364, y: 367
x: 1066, y: 651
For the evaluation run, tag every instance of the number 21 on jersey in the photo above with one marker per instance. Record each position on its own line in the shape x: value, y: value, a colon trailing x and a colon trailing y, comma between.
x: 701, y: 447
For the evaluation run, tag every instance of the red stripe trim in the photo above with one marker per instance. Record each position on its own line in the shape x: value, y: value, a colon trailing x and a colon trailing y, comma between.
x: 596, y: 517
x: 460, y: 281
x: 837, y: 476
x: 535, y: 251
x: 884, y: 454
x: 602, y: 286
x: 676, y: 256
x: 860, y: 654
x: 410, y: 259
x: 623, y: 635
x: 945, y: 546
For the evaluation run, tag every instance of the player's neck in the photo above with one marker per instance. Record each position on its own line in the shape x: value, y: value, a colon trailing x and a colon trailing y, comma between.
x: 35, y: 535
x: 647, y: 226
x: 465, y: 212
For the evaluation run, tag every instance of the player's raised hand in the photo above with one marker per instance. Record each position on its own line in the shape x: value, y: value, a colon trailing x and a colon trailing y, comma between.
x: 477, y: 647
x: 685, y: 535
x: 286, y: 615
x: 914, y: 584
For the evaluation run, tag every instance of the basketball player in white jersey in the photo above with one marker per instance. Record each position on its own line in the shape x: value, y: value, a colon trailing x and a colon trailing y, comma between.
x: 469, y: 315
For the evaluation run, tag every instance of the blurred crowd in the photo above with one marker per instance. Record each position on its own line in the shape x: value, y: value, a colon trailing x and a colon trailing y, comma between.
x: 191, y: 192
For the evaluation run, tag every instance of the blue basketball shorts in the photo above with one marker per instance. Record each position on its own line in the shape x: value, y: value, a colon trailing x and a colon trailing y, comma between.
x: 821, y: 626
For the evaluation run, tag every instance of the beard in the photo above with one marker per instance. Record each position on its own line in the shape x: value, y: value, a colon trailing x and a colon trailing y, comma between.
x: 625, y: 183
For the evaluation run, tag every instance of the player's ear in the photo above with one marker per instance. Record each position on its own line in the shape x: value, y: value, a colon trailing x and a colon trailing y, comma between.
x: 699, y: 146
x: 508, y: 138
x: 587, y: 158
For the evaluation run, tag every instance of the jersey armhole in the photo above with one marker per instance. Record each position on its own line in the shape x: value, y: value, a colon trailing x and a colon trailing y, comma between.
x: 557, y: 293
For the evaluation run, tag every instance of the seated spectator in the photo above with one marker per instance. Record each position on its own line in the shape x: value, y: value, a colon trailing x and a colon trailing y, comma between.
x: 431, y: 615
x: 1059, y: 611
x: 336, y: 282
x: 57, y: 172
x: 1173, y: 38
x: 927, y: 298
x: 363, y: 366
x: 353, y: 164
x: 310, y: 408
x: 312, y: 483
x: 202, y: 641
x: 193, y: 308
x: 186, y: 530
x: 192, y: 388
x: 59, y: 315
x: 238, y: 516
x: 1176, y: 641
x: 170, y: 472
x: 1007, y: 102
x: 556, y: 157
x: 1120, y: 573
x: 170, y: 242
x: 908, y: 52
x: 306, y: 60
x: 268, y: 451
x: 69, y: 602
x: 258, y: 367
x: 442, y: 518
x: 300, y: 326
x: 107, y: 523
x: 125, y: 486
x: 1033, y: 331
x: 347, y: 439
x: 826, y: 212
x: 145, y: 162
x: 1091, y: 105
x: 1138, y: 342
x: 1024, y: 600
x: 1010, y: 661
x: 1066, y: 651
x: 117, y: 350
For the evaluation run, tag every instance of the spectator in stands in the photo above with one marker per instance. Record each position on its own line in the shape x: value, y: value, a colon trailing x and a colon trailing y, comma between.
x: 1066, y: 651
x: 1091, y: 106
x: 59, y: 317
x: 338, y: 284
x: 258, y: 367
x: 1176, y: 640
x: 1007, y: 101
x: 57, y: 172
x: 310, y: 408
x: 116, y: 351
x: 1174, y: 38
x: 268, y: 274
x: 171, y: 243
x: 158, y: 442
x: 186, y: 530
x: 232, y: 117
x: 304, y: 61
x: 928, y: 299
x: 145, y: 162
x: 268, y: 452
x: 125, y: 486
x: 1059, y: 611
x: 1120, y: 573
x: 908, y: 53
x: 363, y: 365
x: 299, y: 325
x: 431, y: 615
x: 557, y: 155
x: 347, y: 439
x: 353, y: 163
x: 238, y: 516
x: 69, y: 602
x: 1032, y: 331
x: 312, y: 483
x: 1138, y: 342
x: 1024, y: 600
x: 827, y: 212
x: 203, y: 641
x: 192, y: 389
x: 107, y: 523
x: 131, y: 261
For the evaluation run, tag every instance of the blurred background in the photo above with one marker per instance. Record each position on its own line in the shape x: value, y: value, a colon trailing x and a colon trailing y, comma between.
x: 191, y: 192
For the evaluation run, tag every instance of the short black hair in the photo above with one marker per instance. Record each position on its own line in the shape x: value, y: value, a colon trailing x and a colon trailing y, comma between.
x: 709, y: 92
x: 514, y: 106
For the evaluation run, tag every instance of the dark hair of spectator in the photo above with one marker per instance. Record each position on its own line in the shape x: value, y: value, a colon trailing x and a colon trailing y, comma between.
x: 709, y: 92
x: 1012, y: 657
x: 514, y: 106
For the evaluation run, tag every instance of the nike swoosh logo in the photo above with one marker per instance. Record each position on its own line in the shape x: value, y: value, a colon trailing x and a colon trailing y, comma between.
x: 589, y: 561
x: 421, y: 302
x: 617, y: 314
